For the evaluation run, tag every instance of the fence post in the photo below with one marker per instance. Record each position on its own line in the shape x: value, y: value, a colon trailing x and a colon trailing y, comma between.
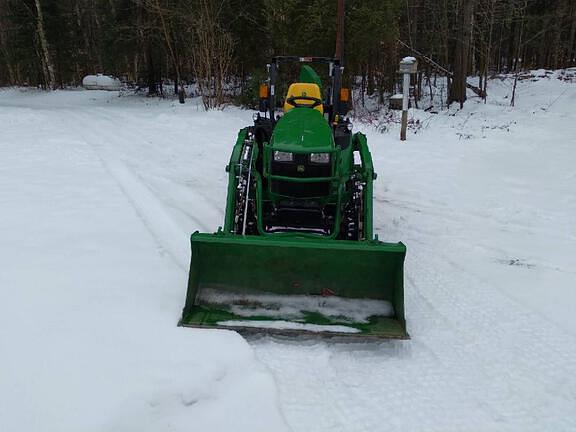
x: 408, y: 66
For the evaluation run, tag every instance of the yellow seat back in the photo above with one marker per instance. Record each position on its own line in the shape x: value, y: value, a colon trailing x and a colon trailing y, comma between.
x: 303, y: 89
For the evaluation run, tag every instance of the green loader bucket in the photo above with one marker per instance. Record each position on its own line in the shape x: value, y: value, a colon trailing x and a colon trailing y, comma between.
x: 293, y: 285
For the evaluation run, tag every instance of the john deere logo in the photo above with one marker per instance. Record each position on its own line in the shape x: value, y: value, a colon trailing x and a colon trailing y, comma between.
x: 304, y: 93
x: 300, y: 168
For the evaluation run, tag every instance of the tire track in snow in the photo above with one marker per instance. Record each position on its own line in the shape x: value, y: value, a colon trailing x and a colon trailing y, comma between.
x: 177, y: 190
x: 385, y: 386
x: 513, y: 351
x: 477, y: 361
x: 167, y: 235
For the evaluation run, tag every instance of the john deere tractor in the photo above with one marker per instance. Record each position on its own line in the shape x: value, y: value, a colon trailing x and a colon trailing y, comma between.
x: 297, y: 252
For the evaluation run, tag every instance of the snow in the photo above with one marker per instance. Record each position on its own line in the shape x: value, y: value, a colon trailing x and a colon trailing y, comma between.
x: 287, y: 325
x: 293, y: 307
x: 409, y: 59
x: 90, y: 297
x: 99, y: 194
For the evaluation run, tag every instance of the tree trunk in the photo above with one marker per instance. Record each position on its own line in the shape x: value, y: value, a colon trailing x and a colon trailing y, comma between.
x: 518, y: 51
x: 89, y: 64
x: 571, y: 38
x: 511, y: 47
x: 50, y: 76
x: 340, y: 31
x: 462, y: 51
x: 4, y: 47
x: 171, y: 49
x: 152, y: 83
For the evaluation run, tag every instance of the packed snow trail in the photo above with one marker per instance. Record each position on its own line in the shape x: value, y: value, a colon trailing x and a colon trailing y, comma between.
x: 484, y: 200
x: 92, y: 281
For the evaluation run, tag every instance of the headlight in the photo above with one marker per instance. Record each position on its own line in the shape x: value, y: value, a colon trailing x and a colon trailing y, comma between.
x: 320, y: 158
x: 280, y: 156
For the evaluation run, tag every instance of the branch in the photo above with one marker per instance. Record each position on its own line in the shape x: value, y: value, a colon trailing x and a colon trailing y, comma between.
x: 478, y: 91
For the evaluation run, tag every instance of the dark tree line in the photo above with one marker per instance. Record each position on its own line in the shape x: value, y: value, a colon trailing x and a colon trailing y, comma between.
x: 224, y: 44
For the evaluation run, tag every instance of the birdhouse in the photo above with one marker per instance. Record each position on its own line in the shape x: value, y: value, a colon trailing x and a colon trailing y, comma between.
x: 408, y: 65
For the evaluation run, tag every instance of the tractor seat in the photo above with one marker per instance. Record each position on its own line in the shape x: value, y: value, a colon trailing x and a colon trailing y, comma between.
x: 303, y: 89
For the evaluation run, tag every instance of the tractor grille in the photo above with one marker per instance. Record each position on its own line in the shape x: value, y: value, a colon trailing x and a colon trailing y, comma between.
x: 290, y: 169
x: 301, y: 168
x: 301, y: 190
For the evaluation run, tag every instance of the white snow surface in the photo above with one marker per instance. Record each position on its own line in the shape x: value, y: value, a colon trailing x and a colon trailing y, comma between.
x: 98, y: 196
x: 293, y: 306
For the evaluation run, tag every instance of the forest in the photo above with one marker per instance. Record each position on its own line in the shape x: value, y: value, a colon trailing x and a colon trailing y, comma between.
x: 224, y: 45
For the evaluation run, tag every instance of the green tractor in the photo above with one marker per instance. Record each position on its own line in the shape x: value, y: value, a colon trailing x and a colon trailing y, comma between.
x: 297, y: 252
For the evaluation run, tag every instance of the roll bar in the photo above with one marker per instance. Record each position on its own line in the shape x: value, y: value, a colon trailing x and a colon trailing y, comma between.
x: 335, y: 74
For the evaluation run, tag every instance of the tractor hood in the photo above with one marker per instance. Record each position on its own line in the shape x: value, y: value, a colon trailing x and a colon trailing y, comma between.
x: 302, y: 130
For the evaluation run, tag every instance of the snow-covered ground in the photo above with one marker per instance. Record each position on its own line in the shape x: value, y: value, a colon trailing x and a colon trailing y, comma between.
x: 98, y: 195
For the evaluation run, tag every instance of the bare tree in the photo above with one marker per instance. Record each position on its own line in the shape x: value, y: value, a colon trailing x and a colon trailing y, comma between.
x: 212, y: 54
x: 518, y: 48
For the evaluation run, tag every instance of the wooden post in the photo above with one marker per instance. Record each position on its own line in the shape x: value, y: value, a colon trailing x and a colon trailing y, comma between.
x: 408, y: 66
x: 405, y: 92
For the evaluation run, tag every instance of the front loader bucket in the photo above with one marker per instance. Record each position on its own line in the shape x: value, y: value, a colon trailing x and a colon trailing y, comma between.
x: 292, y: 285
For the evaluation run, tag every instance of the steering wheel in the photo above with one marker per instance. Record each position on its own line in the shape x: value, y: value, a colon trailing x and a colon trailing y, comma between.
x: 315, y: 101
